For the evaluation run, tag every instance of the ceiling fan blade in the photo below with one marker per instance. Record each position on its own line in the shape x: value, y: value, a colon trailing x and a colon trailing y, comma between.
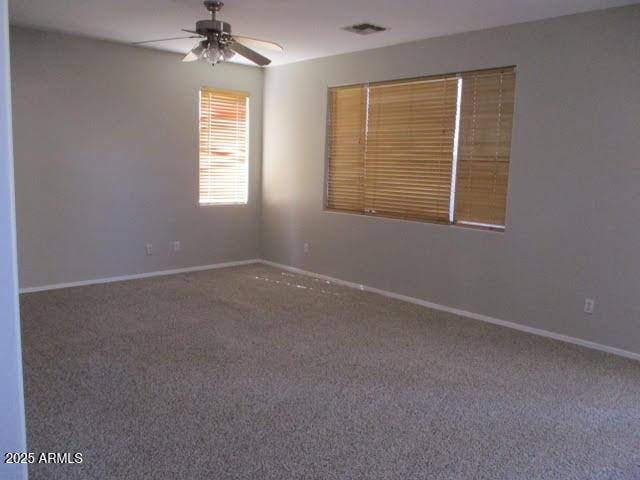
x: 163, y: 40
x: 189, y: 31
x: 255, y: 42
x: 191, y: 57
x: 249, y: 54
x: 194, y: 54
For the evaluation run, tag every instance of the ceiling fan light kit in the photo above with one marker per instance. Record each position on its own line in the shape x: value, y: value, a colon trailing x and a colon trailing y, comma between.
x: 217, y: 44
x: 216, y: 47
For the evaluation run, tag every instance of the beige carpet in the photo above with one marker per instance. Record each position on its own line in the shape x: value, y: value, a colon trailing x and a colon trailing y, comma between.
x: 255, y: 373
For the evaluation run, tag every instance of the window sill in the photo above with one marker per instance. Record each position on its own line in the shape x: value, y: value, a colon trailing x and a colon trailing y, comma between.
x: 480, y: 226
x: 234, y: 204
x: 470, y: 226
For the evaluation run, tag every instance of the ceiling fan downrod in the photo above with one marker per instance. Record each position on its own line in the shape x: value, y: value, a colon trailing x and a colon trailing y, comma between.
x: 213, y: 6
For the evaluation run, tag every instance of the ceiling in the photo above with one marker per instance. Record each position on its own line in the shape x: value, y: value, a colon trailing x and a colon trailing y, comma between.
x: 306, y: 28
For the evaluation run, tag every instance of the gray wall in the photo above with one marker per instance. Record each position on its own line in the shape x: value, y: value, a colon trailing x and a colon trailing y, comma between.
x: 12, y: 433
x: 106, y: 160
x: 574, y: 189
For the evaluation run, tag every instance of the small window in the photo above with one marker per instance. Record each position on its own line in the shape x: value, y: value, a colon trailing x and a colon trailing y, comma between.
x: 224, y: 149
x: 433, y: 149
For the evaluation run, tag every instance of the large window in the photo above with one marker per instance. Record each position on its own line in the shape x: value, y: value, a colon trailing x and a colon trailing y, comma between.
x: 433, y: 149
x: 224, y: 133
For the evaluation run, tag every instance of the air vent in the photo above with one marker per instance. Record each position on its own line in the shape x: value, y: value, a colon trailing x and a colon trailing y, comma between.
x: 364, y: 29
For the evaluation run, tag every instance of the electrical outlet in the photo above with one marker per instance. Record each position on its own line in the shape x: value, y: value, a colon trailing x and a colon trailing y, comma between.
x: 306, y: 247
x: 149, y: 249
x: 176, y: 246
x: 589, y: 304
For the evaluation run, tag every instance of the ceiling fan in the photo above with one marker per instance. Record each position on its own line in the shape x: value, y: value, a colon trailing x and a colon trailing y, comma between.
x: 217, y: 44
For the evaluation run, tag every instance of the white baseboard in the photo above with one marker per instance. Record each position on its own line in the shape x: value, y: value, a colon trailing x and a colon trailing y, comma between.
x: 465, y: 313
x: 386, y: 293
x: 137, y: 276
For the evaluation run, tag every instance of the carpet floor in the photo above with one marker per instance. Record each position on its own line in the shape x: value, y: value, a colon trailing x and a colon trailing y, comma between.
x: 256, y: 373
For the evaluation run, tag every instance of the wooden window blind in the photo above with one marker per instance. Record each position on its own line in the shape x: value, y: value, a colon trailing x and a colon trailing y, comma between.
x: 409, y: 149
x: 486, y: 117
x: 345, y: 180
x: 434, y: 149
x: 223, y: 152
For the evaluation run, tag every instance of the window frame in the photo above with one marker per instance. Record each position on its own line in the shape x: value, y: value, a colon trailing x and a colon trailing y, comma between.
x: 452, y: 222
x: 248, y: 146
